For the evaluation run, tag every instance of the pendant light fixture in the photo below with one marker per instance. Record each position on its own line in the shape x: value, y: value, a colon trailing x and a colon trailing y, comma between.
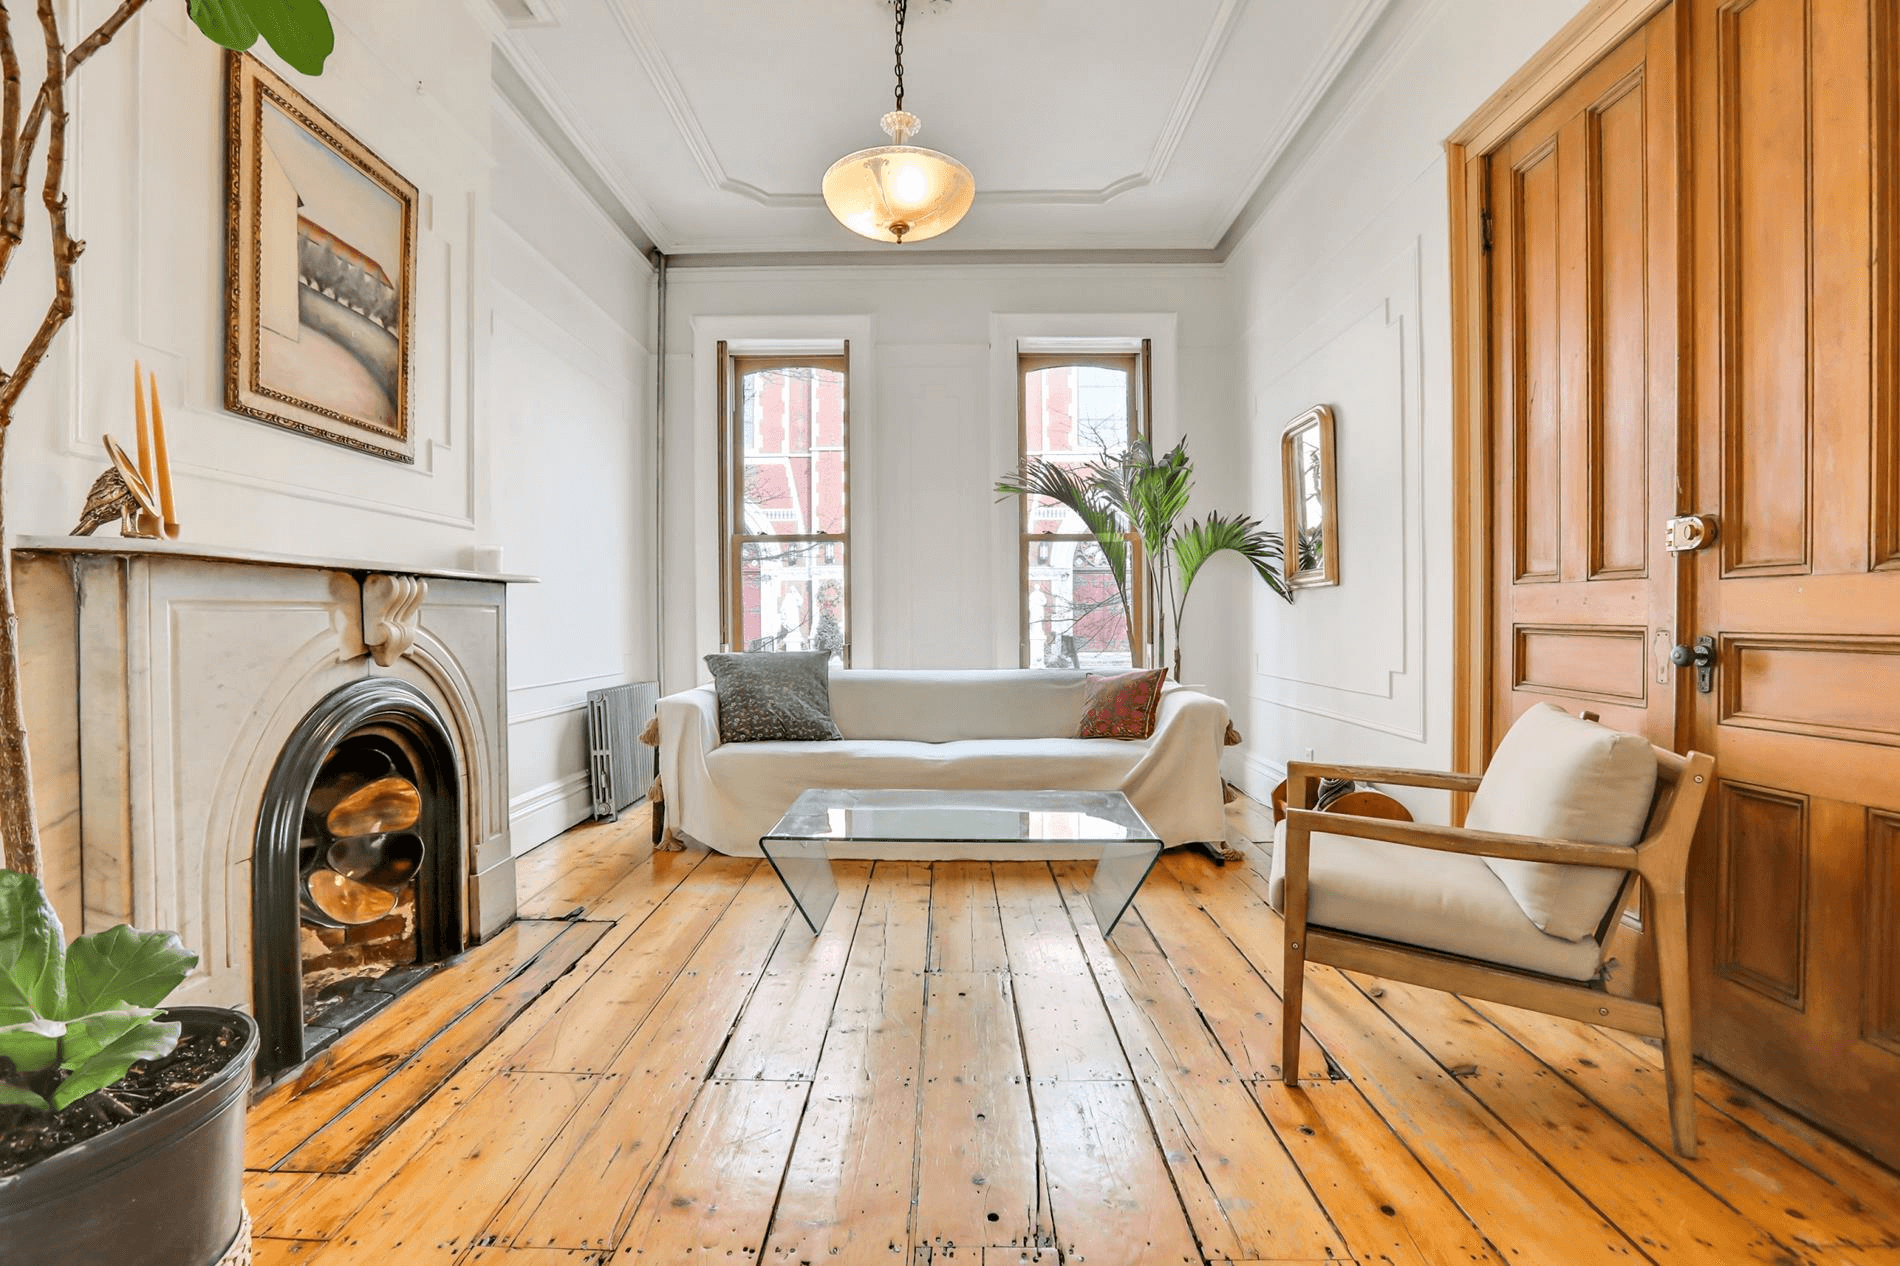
x: 899, y: 192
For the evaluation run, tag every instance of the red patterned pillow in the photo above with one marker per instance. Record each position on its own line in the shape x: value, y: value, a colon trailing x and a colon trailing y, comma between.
x: 1122, y: 706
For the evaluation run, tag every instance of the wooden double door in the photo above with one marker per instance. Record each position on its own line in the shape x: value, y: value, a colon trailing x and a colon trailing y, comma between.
x: 1694, y: 310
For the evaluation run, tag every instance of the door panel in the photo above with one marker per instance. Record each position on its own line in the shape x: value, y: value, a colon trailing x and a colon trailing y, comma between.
x: 1793, y: 906
x: 1584, y: 248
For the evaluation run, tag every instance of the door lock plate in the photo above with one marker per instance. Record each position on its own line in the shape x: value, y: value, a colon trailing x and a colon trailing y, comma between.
x: 1687, y: 533
x: 1701, y: 657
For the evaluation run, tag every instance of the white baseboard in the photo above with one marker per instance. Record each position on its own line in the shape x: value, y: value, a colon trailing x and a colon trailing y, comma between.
x: 1259, y: 776
x: 541, y: 813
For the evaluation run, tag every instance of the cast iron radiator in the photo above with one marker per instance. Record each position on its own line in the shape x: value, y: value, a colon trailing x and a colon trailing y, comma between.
x: 620, y: 768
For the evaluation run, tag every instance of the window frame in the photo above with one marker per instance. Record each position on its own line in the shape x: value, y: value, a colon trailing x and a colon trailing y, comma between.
x: 1136, y: 363
x: 732, y: 453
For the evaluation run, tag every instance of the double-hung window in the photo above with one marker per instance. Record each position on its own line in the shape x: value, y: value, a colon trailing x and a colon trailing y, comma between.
x: 785, y: 485
x: 1076, y: 409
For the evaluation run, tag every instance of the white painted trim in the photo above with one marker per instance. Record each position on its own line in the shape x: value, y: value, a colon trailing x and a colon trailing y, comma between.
x: 1259, y: 776
x: 511, y: 113
x: 667, y: 87
x: 543, y: 714
x: 538, y: 80
x: 1215, y: 242
x: 1325, y: 71
x: 541, y: 813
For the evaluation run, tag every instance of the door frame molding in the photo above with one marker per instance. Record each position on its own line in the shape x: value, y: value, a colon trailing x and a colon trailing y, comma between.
x: 1584, y: 40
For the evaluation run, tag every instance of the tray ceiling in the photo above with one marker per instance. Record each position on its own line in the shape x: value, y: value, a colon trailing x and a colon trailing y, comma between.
x: 1089, y: 124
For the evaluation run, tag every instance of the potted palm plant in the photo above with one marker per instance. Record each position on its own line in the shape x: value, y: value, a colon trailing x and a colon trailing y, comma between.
x: 1139, y: 496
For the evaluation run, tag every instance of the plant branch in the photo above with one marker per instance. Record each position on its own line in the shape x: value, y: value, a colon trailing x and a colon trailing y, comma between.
x: 15, y: 165
x: 10, y: 73
x: 65, y: 250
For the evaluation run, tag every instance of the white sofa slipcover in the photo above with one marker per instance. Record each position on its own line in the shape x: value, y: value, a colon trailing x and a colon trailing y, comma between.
x: 1001, y: 730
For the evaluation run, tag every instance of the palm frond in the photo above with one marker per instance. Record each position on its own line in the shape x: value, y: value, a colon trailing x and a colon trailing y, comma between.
x: 1149, y: 492
x: 1079, y: 491
x: 1242, y: 534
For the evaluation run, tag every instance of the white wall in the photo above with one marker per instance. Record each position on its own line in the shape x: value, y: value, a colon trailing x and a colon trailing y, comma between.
x: 531, y: 394
x: 1343, y: 288
x: 935, y: 423
x: 570, y: 480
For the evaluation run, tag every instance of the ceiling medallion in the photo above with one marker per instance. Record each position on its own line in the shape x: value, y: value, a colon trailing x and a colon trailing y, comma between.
x: 899, y: 192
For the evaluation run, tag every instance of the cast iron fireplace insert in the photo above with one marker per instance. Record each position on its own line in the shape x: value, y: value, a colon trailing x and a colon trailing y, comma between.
x: 358, y: 859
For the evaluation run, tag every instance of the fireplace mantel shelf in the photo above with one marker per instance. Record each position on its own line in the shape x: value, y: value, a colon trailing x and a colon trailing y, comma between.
x: 107, y: 545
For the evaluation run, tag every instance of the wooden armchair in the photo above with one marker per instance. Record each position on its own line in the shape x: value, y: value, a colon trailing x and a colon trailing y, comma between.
x: 1567, y: 985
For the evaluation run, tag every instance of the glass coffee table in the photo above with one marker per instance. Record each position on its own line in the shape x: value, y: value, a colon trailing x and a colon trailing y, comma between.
x: 984, y: 825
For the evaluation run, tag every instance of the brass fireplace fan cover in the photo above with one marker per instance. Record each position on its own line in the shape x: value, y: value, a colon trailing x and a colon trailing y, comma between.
x: 359, y: 849
x: 340, y: 901
x: 390, y: 803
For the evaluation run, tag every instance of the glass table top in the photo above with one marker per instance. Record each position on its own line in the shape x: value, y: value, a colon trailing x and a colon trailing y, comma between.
x: 1054, y: 824
x: 955, y: 817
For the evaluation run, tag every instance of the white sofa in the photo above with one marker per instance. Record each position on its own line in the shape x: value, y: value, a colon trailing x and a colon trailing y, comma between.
x: 1005, y: 730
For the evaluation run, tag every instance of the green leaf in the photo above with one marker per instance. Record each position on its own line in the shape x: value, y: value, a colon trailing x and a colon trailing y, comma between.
x: 299, y: 31
x: 32, y: 1045
x: 12, y: 1096
x: 121, y: 967
x: 32, y: 951
x: 101, y: 1047
x: 225, y: 22
x: 1240, y: 534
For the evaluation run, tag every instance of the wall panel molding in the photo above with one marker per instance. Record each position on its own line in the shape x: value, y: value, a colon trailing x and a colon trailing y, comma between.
x: 1360, y: 645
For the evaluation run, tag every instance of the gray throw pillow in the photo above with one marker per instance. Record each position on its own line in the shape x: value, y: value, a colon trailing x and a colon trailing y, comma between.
x: 774, y: 696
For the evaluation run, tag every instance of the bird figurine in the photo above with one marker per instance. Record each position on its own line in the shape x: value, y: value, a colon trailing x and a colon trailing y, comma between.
x: 118, y: 493
x: 138, y: 494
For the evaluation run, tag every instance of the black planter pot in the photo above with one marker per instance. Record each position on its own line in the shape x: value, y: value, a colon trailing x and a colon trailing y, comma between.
x: 164, y: 1189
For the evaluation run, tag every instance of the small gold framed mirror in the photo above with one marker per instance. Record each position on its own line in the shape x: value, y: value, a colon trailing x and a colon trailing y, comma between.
x: 1312, y: 503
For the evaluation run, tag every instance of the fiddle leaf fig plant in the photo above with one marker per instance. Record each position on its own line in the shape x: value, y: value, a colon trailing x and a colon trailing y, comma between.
x: 74, y: 1019
x: 38, y: 124
x: 298, y: 31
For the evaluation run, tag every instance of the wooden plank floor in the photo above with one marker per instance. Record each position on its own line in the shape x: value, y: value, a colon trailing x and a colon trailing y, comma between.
x: 658, y: 1063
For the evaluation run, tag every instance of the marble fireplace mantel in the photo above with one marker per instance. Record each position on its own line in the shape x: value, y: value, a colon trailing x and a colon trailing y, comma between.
x: 162, y: 680
x: 132, y: 547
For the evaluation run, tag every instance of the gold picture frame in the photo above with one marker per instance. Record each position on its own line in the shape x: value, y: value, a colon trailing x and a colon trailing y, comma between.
x: 1311, y: 499
x: 320, y: 271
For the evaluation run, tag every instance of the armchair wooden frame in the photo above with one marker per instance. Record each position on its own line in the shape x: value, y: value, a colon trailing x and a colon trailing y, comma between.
x: 1659, y: 863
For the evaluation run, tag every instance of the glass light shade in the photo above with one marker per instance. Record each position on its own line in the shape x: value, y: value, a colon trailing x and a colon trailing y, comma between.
x: 899, y: 193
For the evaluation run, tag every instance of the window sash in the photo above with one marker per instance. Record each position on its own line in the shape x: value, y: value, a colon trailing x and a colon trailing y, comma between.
x: 732, y: 501
x: 1136, y: 366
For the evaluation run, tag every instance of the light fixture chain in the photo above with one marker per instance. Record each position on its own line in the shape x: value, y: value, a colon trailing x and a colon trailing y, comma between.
x: 902, y: 7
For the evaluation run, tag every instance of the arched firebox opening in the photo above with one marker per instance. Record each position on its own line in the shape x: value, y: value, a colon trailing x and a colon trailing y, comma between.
x: 358, y: 869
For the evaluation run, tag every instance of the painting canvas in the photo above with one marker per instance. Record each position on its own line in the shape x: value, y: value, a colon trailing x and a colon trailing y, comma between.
x: 322, y: 272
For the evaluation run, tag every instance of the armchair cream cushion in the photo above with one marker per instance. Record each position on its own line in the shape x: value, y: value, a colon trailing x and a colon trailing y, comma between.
x: 1560, y: 777
x: 1417, y: 896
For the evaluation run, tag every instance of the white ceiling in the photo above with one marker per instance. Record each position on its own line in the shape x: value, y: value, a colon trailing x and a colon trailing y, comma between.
x: 1089, y: 124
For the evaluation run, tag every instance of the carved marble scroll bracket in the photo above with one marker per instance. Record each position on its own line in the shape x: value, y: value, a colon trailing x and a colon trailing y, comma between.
x: 392, y: 614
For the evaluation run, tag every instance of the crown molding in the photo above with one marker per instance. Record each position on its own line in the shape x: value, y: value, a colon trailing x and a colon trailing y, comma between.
x: 1389, y: 37
x: 672, y: 94
x: 1324, y: 73
x: 1358, y: 55
x: 906, y: 258
x: 523, y: 82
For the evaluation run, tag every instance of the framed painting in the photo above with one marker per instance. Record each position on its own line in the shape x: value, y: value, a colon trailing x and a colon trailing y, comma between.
x: 320, y: 271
